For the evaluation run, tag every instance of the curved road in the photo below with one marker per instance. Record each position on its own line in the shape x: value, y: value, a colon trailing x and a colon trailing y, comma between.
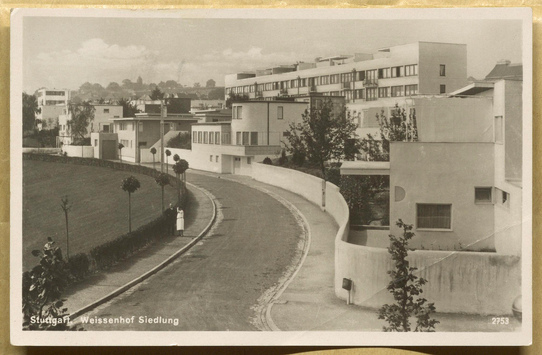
x: 216, y: 285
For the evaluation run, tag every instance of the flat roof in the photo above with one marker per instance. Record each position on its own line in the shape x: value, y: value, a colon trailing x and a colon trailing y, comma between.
x: 156, y: 118
x: 473, y: 89
x: 361, y: 167
x: 212, y: 124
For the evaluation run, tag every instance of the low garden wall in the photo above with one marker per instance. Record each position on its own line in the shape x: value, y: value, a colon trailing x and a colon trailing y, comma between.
x: 42, y: 150
x: 82, y: 151
x: 105, y: 255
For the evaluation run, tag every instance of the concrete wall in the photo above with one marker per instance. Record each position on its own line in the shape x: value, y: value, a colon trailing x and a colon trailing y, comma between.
x: 103, y: 118
x: 42, y: 150
x: 444, y: 173
x: 84, y: 151
x: 466, y: 282
x: 454, y: 119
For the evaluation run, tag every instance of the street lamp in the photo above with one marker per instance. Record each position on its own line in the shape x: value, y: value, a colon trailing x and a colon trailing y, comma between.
x: 163, y: 114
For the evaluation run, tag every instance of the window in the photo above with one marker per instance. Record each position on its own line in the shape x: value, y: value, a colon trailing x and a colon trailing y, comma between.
x: 397, y: 91
x: 200, y: 134
x: 217, y: 137
x: 498, y: 130
x: 505, y: 198
x: 411, y: 90
x: 397, y: 72
x: 411, y: 70
x: 216, y: 159
x: 253, y: 138
x: 106, y: 110
x: 211, y: 158
x: 95, y: 142
x: 226, y: 139
x: 442, y: 70
x: 361, y: 75
x: 359, y: 94
x: 238, y: 138
x: 195, y: 137
x: 371, y: 94
x: 334, y: 79
x: 324, y: 80
x: 140, y: 125
x: 483, y: 195
x: 211, y: 138
x: 245, y: 138
x: 371, y: 74
x: 249, y: 160
x: 384, y: 73
x: 433, y: 216
x: 237, y: 112
x: 280, y: 112
x: 383, y: 92
x: 443, y: 89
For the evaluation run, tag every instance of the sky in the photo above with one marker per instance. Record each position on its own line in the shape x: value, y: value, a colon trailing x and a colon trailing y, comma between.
x: 66, y: 52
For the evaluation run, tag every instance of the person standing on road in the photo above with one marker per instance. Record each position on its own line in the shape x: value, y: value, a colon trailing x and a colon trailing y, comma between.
x: 170, y: 220
x: 180, y: 221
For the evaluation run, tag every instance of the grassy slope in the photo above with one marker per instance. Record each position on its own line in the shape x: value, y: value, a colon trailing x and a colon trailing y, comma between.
x: 100, y: 206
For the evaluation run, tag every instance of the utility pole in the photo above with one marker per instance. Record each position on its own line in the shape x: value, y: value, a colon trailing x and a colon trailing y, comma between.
x: 163, y: 114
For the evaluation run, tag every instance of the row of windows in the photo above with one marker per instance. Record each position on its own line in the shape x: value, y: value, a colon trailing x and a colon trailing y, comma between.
x: 362, y: 75
x: 55, y: 93
x: 237, y: 112
x: 127, y: 143
x: 55, y: 102
x: 204, y: 137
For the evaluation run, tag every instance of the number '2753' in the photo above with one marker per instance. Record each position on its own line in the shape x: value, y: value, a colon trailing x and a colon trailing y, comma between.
x: 499, y: 320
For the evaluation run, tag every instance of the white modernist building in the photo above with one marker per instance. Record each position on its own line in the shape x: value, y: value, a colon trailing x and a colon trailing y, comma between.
x: 370, y: 83
x: 51, y: 103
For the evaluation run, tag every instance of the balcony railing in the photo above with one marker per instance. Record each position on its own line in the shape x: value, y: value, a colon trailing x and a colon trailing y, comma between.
x: 258, y: 94
x: 370, y: 83
x: 312, y: 88
x: 346, y: 86
x: 283, y: 91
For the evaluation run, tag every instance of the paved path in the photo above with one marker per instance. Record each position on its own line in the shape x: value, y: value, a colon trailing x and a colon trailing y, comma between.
x: 93, y: 288
x: 219, y: 283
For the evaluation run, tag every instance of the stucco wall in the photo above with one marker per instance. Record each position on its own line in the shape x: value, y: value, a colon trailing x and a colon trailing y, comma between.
x: 79, y: 151
x: 432, y: 55
x: 444, y: 173
x: 466, y: 282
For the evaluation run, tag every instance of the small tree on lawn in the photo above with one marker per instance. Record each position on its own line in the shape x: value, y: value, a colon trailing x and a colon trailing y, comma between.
x: 398, y: 128
x: 168, y: 154
x: 130, y: 185
x: 176, y: 158
x: 120, y: 151
x: 42, y: 291
x: 66, y: 206
x: 322, y: 136
x: 180, y: 168
x: 162, y: 179
x: 153, y: 152
x: 406, y: 287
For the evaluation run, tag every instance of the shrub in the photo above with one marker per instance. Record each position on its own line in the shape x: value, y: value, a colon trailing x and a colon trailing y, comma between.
x: 79, y: 266
x: 182, y: 140
x: 268, y: 161
x: 283, y: 159
x: 298, y: 158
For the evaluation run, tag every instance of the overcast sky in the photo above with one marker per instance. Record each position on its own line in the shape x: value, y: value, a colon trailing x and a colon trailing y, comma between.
x: 66, y: 52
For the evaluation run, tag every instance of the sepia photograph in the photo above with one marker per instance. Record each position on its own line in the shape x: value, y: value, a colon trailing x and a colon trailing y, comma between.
x: 271, y: 177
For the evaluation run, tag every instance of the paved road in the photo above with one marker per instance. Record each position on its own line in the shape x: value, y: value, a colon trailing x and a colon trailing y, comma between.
x: 217, y: 284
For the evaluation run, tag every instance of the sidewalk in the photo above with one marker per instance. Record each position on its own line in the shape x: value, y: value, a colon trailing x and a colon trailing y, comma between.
x: 309, y: 303
x: 97, y: 286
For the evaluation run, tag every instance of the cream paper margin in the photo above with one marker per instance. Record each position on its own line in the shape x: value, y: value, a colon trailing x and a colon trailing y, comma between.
x: 245, y: 338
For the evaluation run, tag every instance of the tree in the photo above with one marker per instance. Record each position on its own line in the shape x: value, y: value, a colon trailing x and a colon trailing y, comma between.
x: 180, y: 167
x: 235, y: 98
x: 406, y: 287
x: 66, y: 206
x: 153, y: 152
x: 81, y: 116
x: 322, y: 135
x: 42, y: 291
x: 85, y: 88
x: 127, y: 84
x: 120, y: 151
x: 358, y: 192
x: 176, y: 157
x: 398, y: 128
x: 128, y: 109
x: 210, y: 83
x: 216, y: 94
x: 162, y: 179
x: 156, y: 94
x: 130, y: 185
x: 197, y: 85
x: 168, y: 154
x: 30, y: 109
x: 113, y: 86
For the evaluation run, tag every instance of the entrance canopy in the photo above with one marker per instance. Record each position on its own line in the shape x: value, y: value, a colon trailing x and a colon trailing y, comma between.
x: 365, y: 168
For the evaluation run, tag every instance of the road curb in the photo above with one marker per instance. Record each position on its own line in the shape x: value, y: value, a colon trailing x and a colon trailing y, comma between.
x: 155, y: 269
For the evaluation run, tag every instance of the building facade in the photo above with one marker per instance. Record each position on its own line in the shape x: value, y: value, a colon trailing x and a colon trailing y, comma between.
x: 51, y: 103
x: 102, y: 122
x: 370, y: 83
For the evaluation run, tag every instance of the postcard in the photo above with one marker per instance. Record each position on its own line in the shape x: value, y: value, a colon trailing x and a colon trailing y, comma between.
x: 342, y: 177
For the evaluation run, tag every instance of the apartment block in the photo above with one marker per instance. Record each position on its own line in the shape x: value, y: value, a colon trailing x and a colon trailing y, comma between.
x: 52, y: 103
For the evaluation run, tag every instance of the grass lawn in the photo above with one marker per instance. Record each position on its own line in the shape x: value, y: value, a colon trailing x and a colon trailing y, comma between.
x: 99, y: 209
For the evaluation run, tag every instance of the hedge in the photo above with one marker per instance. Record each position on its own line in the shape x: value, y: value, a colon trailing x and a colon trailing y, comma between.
x: 108, y: 254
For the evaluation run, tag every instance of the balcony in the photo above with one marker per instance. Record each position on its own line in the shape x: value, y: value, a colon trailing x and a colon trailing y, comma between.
x: 346, y: 86
x: 283, y: 92
x: 258, y: 94
x: 370, y: 83
x: 312, y: 88
x: 249, y: 150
